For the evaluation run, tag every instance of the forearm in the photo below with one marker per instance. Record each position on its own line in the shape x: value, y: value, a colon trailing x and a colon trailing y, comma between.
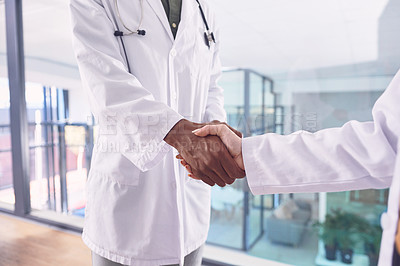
x: 355, y: 156
x: 352, y: 157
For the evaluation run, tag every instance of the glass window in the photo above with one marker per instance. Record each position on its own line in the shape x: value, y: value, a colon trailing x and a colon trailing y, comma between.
x: 7, y: 199
x: 236, y: 215
x: 329, y: 63
x: 60, y: 130
x: 227, y: 204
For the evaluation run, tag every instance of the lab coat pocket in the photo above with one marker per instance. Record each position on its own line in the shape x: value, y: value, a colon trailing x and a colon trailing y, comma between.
x: 117, y: 177
x: 115, y: 167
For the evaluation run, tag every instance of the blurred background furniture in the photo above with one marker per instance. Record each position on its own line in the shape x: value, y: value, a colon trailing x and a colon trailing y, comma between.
x: 288, y: 222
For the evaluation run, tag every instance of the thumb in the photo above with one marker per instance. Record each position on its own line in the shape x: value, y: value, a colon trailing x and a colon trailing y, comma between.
x: 208, y: 130
x: 205, y: 131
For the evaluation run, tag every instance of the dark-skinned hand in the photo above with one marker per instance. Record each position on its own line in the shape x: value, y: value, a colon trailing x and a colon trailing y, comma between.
x: 208, y: 157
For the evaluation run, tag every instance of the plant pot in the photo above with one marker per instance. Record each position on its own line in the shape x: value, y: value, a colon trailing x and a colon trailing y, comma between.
x: 330, y: 252
x: 373, y: 259
x: 347, y: 256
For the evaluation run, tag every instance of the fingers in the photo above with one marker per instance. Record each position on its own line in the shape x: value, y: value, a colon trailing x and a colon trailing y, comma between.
x: 214, y: 177
x: 218, y: 176
x: 231, y: 168
x: 194, y: 177
x: 212, y: 166
x: 184, y: 163
x: 204, y: 178
x: 188, y: 168
x: 205, y: 131
x: 219, y: 170
x: 208, y: 158
x: 213, y: 171
x: 220, y: 130
x: 216, y: 130
x: 238, y: 133
x: 228, y: 137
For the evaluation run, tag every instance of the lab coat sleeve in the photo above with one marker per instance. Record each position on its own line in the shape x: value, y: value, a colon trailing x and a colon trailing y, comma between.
x: 353, y: 157
x: 123, y: 107
x: 215, y: 100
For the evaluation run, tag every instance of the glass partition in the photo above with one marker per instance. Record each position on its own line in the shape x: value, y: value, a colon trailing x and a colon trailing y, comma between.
x: 227, y: 204
x: 329, y: 63
x: 6, y: 177
x: 60, y: 124
x: 59, y: 151
x: 237, y: 217
x: 7, y: 199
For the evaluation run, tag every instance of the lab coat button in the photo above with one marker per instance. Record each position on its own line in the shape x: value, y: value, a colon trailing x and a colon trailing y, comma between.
x: 173, y: 52
x: 385, y: 221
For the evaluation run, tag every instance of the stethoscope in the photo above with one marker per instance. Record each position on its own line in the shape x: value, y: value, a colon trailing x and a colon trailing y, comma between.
x: 209, y: 37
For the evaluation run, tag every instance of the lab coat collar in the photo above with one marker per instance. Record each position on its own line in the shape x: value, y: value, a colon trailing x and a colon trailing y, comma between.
x: 158, y: 8
x: 188, y: 7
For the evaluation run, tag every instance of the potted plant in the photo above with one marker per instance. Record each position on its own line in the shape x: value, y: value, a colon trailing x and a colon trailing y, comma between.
x: 329, y: 239
x: 346, y: 243
x: 371, y: 235
x: 351, y: 228
x: 328, y: 234
x: 372, y: 242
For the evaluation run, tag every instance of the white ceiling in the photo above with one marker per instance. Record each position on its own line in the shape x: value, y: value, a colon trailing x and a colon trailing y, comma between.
x: 277, y: 38
x: 290, y: 36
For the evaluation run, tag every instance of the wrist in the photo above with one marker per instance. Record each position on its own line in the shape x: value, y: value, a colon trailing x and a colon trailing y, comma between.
x: 171, y: 137
x: 179, y: 132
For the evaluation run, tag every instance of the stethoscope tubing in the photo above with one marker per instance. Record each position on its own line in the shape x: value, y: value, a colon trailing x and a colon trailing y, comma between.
x: 208, y: 36
x: 122, y: 21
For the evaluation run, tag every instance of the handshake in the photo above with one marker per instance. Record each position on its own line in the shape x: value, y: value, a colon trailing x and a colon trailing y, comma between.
x: 210, y: 152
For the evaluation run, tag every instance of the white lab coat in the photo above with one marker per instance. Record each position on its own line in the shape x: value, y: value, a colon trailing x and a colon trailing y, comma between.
x: 355, y: 156
x: 142, y: 208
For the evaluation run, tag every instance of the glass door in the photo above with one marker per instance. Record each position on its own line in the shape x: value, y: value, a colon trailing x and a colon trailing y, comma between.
x: 237, y: 217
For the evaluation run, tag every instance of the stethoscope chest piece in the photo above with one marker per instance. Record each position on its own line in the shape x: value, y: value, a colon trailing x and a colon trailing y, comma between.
x: 208, y: 35
x: 209, y: 38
